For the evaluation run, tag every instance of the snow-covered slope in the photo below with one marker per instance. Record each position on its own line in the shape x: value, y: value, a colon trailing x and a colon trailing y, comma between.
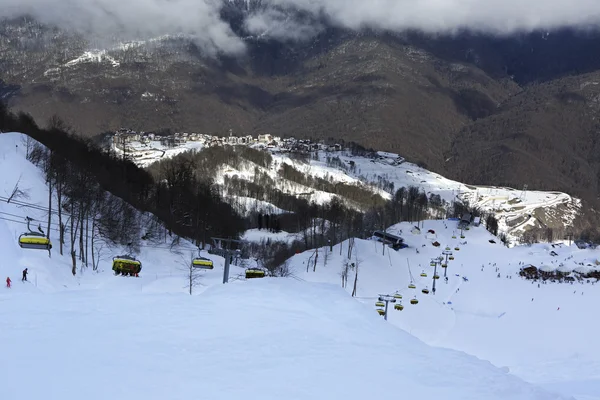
x: 542, y: 334
x: 98, y: 336
x: 515, y: 209
x: 266, y: 340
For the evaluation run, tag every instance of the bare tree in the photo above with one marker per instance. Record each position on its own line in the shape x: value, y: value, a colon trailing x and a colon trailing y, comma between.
x: 350, y: 247
x: 73, y: 232
x: 346, y: 267
x: 17, y: 193
x: 284, y: 270
x: 192, y: 274
x: 96, y: 246
x: 357, y: 262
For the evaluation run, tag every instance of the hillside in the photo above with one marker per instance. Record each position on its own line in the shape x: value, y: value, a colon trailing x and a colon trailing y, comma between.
x: 380, y: 174
x: 442, y: 101
x: 269, y: 338
x: 545, y: 137
x: 538, y: 332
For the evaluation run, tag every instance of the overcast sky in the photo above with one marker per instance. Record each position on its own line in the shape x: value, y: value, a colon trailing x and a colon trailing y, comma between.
x: 201, y: 17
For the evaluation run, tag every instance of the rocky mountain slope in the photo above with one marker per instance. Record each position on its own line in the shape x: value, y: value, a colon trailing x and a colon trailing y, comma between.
x: 479, y: 109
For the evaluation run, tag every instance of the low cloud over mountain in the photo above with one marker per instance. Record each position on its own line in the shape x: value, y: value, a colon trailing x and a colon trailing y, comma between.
x: 300, y: 19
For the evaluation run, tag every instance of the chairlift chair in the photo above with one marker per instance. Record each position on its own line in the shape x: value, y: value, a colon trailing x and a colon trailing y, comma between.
x: 399, y: 307
x: 380, y: 311
x: 203, y: 263
x: 126, y: 265
x: 412, y: 286
x: 397, y: 296
x: 252, y: 273
x: 423, y: 274
x: 380, y: 304
x: 425, y: 291
x: 34, y: 240
x: 414, y: 301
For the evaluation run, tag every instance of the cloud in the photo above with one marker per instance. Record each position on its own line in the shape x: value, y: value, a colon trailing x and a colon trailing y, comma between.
x: 202, y: 18
x: 134, y: 19
x: 275, y: 23
x: 447, y: 16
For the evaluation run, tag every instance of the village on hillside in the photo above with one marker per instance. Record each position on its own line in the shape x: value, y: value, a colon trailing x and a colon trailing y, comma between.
x: 124, y: 136
x: 135, y: 145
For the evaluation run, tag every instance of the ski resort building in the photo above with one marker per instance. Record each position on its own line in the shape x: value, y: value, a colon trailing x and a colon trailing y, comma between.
x: 395, y: 241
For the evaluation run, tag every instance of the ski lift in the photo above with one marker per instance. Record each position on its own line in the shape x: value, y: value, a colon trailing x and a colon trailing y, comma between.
x: 398, y: 307
x: 34, y: 240
x: 412, y: 286
x: 380, y: 304
x: 444, y: 265
x: 414, y: 301
x: 254, y: 273
x: 447, y: 248
x: 423, y: 274
x: 126, y: 265
x: 397, y: 296
x: 380, y: 311
x: 425, y: 291
x: 462, y: 236
x: 451, y: 258
x: 436, y: 277
x: 453, y: 236
x: 203, y: 263
x: 457, y: 248
x: 432, y: 264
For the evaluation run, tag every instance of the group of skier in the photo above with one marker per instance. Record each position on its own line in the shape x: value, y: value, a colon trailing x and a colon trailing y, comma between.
x: 23, y: 279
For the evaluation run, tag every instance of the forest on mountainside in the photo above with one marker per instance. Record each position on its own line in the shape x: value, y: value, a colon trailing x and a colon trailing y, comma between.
x: 81, y: 176
x: 180, y: 193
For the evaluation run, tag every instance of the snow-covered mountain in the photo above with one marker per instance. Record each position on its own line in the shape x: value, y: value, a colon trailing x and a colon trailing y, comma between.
x: 516, y: 209
x: 479, y: 337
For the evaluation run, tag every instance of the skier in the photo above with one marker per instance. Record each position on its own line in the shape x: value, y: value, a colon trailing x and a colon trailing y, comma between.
x: 24, y: 275
x: 8, y: 282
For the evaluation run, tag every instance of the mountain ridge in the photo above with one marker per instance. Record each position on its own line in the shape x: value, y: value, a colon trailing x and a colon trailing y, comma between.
x: 424, y: 97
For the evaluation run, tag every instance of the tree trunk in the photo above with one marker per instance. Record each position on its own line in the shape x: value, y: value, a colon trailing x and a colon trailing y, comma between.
x: 92, y: 245
x: 73, y: 238
x: 87, y: 239
x: 81, y: 249
x: 60, y: 223
x: 355, y: 280
x: 49, y: 208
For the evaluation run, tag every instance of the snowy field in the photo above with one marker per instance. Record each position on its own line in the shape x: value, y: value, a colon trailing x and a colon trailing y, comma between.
x: 542, y: 334
x: 98, y: 336
x: 515, y: 209
x: 270, y: 339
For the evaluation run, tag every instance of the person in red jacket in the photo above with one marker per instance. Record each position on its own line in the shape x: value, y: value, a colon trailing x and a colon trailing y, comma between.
x: 8, y: 282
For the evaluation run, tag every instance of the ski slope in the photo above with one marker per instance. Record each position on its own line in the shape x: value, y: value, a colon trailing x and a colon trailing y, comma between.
x: 98, y: 336
x: 271, y: 339
x: 544, y: 335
